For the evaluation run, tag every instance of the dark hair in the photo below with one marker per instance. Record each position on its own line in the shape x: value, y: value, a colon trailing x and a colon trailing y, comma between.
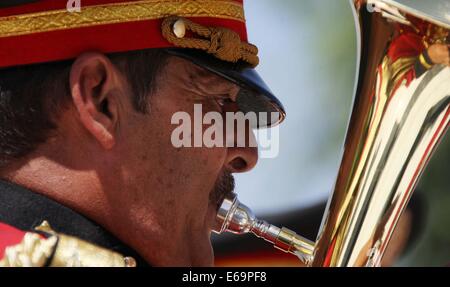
x: 32, y: 97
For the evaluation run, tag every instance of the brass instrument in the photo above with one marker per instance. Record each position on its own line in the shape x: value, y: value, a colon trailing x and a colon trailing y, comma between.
x: 401, y: 111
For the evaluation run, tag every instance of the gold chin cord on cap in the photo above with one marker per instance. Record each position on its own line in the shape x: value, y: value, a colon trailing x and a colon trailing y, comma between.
x: 400, y: 114
x: 223, y: 43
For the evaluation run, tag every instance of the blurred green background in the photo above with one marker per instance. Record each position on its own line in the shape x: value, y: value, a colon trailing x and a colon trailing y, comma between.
x: 308, y: 55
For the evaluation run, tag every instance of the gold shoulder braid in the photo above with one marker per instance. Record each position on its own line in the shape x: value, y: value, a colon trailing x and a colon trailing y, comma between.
x: 33, y: 251
x: 62, y: 251
x: 223, y: 43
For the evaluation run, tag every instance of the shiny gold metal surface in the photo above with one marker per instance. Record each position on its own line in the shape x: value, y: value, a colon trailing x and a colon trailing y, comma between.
x: 401, y: 111
x: 400, y: 114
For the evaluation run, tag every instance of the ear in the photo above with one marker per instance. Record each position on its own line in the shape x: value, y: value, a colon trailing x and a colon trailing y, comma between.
x: 95, y: 88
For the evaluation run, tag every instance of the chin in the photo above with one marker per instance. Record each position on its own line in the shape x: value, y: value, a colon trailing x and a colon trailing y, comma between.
x: 203, y: 256
x: 201, y: 251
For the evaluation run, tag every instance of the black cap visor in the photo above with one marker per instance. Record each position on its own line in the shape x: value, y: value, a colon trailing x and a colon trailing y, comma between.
x: 254, y: 96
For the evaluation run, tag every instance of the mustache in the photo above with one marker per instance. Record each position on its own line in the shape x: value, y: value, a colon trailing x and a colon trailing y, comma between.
x: 223, y: 187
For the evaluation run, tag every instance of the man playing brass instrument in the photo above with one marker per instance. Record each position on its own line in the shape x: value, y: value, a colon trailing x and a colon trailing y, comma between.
x: 89, y: 176
x: 89, y: 173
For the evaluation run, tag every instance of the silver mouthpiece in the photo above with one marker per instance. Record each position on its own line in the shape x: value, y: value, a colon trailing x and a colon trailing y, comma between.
x: 237, y: 218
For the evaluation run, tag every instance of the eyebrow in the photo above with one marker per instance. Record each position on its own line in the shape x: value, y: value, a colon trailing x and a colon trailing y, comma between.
x: 213, y: 84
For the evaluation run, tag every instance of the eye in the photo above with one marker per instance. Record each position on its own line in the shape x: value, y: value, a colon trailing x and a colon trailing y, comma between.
x: 223, y: 101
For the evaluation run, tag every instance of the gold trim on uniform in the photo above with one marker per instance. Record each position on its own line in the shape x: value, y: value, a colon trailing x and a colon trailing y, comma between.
x: 74, y: 252
x: 33, y: 251
x: 117, y: 13
x: 62, y: 250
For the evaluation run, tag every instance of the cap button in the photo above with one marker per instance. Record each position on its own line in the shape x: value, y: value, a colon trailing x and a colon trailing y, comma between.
x: 179, y: 28
x: 130, y: 262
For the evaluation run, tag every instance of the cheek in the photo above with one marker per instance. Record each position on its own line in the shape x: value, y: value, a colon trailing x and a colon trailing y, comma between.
x: 192, y: 166
x: 195, y: 172
x: 181, y: 177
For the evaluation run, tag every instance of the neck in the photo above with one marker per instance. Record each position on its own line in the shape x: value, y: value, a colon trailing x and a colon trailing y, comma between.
x: 96, y: 196
x: 25, y: 210
x: 57, y: 182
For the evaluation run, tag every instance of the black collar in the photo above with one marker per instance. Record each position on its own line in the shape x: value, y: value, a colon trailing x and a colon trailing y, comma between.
x: 25, y: 210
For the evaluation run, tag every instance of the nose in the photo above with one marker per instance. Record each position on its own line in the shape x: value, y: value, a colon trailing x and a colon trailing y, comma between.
x: 242, y: 159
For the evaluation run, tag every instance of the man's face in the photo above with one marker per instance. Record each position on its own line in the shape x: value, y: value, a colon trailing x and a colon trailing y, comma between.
x: 173, y: 193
